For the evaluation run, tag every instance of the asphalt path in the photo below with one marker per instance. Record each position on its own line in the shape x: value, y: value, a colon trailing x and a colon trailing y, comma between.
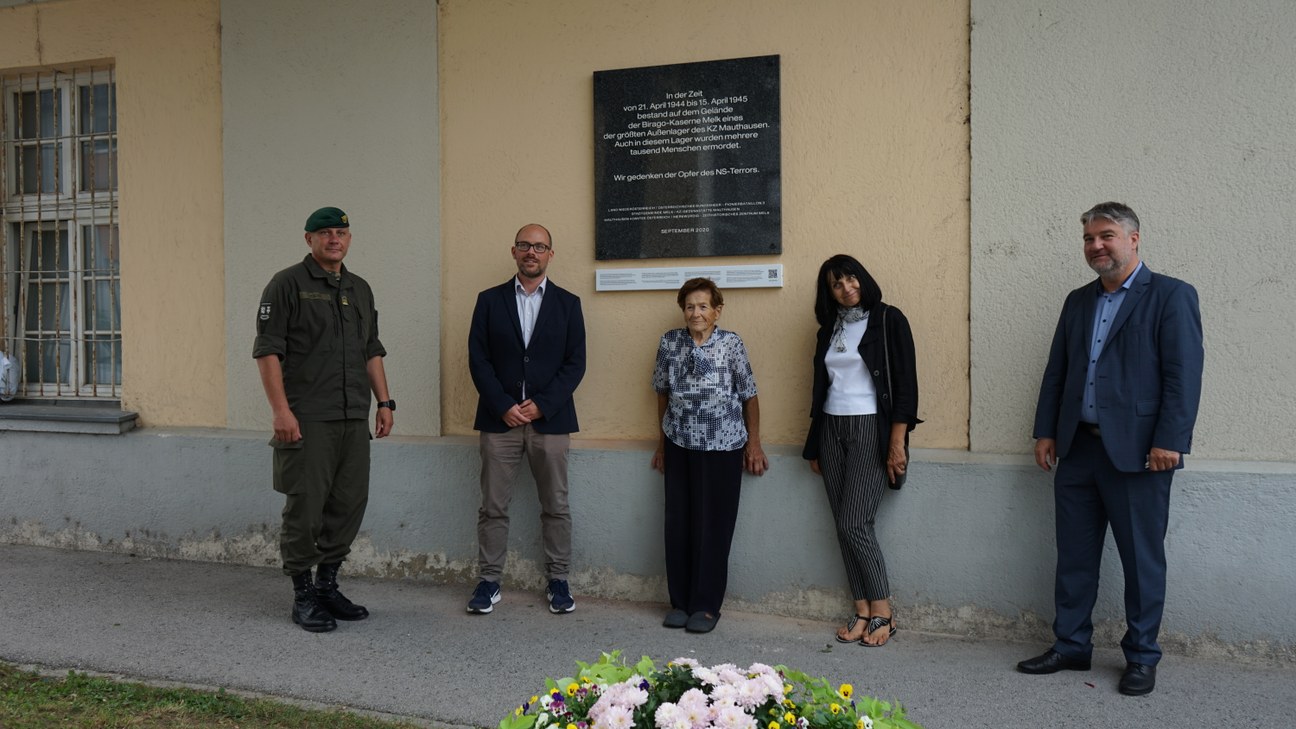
x: 420, y: 655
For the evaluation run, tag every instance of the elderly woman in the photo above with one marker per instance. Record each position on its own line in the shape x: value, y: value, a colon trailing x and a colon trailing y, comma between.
x: 865, y: 402
x: 710, y: 432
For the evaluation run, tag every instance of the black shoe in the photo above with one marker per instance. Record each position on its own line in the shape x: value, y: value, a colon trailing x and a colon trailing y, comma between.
x: 328, y: 597
x: 675, y: 619
x: 306, y: 610
x: 1138, y: 679
x: 702, y: 622
x: 1052, y: 662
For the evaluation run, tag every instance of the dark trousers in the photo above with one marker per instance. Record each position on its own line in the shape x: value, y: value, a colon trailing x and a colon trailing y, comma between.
x: 702, y: 489
x: 325, y: 479
x: 1090, y: 494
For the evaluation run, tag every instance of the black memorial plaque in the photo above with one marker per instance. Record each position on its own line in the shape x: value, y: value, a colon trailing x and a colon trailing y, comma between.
x: 687, y: 160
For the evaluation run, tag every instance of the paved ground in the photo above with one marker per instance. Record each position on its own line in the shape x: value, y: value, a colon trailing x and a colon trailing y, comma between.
x: 420, y: 655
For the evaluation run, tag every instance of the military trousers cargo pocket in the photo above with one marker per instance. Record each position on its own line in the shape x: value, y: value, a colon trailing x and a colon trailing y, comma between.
x: 288, y: 463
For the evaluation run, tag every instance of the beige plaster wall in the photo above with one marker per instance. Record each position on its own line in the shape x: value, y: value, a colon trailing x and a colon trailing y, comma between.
x: 334, y: 103
x: 875, y: 163
x: 167, y: 58
x: 1187, y: 117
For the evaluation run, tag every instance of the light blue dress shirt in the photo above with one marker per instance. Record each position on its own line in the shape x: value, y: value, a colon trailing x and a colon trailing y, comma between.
x: 1109, y: 304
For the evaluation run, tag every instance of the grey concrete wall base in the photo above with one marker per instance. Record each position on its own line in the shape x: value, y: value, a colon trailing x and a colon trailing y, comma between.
x: 969, y: 542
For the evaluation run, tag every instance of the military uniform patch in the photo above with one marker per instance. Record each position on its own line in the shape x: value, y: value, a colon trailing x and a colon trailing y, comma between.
x: 265, y: 311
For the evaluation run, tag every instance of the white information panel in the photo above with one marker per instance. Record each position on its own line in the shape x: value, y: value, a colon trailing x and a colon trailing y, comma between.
x: 755, y: 276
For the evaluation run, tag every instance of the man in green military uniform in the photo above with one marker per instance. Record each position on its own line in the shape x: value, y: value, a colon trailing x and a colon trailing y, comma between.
x: 318, y: 352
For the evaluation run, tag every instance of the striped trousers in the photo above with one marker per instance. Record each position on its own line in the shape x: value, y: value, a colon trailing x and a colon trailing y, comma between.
x: 855, y: 480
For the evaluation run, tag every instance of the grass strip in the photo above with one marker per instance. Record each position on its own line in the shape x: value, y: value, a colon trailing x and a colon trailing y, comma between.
x: 32, y: 701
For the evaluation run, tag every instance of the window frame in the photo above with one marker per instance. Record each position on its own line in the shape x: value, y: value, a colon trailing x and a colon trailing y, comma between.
x: 73, y: 204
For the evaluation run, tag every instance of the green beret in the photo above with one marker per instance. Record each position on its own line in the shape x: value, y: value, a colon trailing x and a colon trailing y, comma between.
x: 326, y: 218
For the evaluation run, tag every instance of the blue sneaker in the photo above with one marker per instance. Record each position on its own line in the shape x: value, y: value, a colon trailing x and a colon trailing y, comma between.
x: 484, y: 598
x: 560, y: 598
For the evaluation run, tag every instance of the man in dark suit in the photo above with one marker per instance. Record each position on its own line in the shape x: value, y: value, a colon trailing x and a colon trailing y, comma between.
x: 526, y: 352
x: 1116, y: 412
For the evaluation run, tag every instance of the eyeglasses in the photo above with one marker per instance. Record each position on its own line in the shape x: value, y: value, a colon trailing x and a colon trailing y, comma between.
x: 537, y: 247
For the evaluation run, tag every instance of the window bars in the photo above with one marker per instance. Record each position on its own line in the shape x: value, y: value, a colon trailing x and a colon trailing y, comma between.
x: 61, y: 273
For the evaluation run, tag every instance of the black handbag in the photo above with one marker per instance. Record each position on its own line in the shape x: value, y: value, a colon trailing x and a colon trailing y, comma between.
x: 886, y: 353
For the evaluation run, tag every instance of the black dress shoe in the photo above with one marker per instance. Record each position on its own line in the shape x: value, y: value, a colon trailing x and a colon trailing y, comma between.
x: 1138, y: 679
x: 1052, y: 662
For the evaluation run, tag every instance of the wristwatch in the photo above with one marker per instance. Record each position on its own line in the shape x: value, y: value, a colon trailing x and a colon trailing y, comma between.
x: 389, y: 404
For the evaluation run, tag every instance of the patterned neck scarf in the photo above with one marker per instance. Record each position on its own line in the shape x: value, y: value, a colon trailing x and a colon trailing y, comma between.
x: 699, y: 362
x: 844, y: 317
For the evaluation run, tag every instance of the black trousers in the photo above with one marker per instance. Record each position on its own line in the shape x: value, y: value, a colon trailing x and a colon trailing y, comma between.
x: 702, y: 489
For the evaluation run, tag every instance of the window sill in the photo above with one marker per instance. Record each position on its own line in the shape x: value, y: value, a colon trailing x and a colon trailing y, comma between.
x: 100, y: 418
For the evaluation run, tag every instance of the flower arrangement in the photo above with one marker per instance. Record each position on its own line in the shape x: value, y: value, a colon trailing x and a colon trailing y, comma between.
x: 608, y: 694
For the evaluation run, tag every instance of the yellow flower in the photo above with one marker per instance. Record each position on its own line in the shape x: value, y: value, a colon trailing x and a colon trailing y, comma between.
x: 790, y: 718
x: 573, y: 726
x: 789, y: 703
x: 572, y: 689
x: 835, y: 709
x: 517, y: 711
x: 787, y: 688
x: 585, y: 679
x: 858, y: 725
x: 846, y: 690
x: 773, y: 725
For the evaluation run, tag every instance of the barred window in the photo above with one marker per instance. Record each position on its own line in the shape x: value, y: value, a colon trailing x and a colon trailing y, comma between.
x: 61, y: 272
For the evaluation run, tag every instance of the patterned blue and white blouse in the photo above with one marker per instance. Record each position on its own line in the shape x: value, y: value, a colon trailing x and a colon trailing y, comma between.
x: 706, y: 387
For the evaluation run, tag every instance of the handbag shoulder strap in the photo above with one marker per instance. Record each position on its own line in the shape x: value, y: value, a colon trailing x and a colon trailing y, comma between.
x: 886, y: 350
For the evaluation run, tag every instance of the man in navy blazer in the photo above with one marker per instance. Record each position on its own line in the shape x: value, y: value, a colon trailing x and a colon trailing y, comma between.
x: 526, y: 353
x: 1116, y: 412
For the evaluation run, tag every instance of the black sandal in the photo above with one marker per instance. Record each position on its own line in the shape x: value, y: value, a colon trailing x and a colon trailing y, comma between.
x: 851, y: 626
x: 877, y: 622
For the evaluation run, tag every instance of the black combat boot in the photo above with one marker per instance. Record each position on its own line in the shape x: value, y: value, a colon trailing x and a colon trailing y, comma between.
x: 333, y: 601
x: 307, y: 611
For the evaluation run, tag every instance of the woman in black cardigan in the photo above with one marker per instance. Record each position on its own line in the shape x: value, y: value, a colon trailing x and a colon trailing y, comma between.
x: 865, y: 403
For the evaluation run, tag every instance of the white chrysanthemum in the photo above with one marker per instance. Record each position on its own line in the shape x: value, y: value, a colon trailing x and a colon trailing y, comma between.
x: 730, y: 674
x: 733, y: 717
x: 693, y: 698
x: 616, y: 717
x: 724, y: 694
x: 695, y: 707
x: 706, y: 676
x: 665, y: 716
x: 671, y: 716
x: 750, y: 694
x: 626, y: 695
